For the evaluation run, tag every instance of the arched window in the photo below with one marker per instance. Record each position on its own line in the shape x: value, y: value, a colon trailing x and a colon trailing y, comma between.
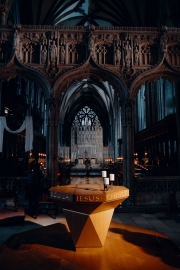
x: 86, y: 117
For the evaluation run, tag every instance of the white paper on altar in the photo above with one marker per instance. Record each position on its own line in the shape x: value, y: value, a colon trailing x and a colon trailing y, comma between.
x: 27, y: 124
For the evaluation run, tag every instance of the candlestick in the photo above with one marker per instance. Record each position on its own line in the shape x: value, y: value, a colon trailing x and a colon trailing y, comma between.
x: 111, y: 177
x: 106, y: 182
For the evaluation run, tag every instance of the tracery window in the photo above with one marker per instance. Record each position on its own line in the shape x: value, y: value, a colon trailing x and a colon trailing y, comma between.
x: 86, y: 117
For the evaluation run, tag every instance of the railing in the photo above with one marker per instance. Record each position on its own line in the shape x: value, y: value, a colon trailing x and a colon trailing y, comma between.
x: 147, y: 190
x: 19, y: 185
x: 155, y: 191
x: 15, y: 184
x: 157, y: 184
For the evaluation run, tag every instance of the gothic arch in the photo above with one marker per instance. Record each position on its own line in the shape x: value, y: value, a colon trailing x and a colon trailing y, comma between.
x: 12, y: 70
x: 164, y: 69
x: 82, y: 96
x: 98, y: 75
x: 26, y: 75
x: 92, y: 70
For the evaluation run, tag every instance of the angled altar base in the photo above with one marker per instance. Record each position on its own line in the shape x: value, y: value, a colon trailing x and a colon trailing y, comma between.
x: 88, y: 230
x: 125, y: 247
x: 88, y: 210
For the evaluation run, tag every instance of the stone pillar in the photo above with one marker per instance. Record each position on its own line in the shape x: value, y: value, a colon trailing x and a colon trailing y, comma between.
x: 166, y: 146
x: 128, y: 149
x: 52, y: 140
x: 118, y: 131
x: 178, y: 122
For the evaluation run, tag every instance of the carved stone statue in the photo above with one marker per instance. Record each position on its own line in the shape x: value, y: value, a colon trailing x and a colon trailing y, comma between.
x: 136, y: 40
x: 62, y: 55
x: 117, y: 40
x: 127, y: 49
x: 136, y: 55
x: 163, y: 43
x: 43, y: 54
x: 118, y: 55
x: 53, y: 53
x: 16, y: 39
x: 127, y: 54
x: 62, y: 41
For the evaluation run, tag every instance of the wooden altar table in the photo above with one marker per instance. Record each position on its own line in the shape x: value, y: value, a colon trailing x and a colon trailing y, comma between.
x: 88, y: 210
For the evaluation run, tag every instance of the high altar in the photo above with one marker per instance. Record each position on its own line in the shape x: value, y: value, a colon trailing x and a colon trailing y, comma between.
x: 87, y: 141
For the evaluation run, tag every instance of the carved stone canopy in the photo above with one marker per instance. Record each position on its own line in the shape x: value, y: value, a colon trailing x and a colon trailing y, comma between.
x: 127, y: 56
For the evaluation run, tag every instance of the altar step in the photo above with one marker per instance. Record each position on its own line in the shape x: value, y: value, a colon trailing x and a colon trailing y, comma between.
x: 82, y: 180
x: 82, y: 171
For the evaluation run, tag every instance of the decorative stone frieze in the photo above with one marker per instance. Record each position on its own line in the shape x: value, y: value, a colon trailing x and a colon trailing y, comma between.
x: 128, y: 52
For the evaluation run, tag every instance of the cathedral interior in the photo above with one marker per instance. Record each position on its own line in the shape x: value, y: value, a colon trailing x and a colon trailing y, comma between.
x: 97, y: 79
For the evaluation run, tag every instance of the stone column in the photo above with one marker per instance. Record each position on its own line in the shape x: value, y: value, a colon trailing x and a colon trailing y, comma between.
x: 166, y: 145
x: 128, y: 148
x: 52, y: 140
x: 118, y: 131
x: 178, y: 122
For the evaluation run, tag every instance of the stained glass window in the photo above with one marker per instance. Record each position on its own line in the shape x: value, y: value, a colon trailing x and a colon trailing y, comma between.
x: 86, y: 117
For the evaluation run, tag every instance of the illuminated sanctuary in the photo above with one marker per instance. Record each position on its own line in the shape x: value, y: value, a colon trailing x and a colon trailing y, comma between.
x: 92, y: 78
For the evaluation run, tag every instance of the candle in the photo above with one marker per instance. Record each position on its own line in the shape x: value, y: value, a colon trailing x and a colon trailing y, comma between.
x: 111, y: 177
x: 106, y: 181
x: 104, y: 173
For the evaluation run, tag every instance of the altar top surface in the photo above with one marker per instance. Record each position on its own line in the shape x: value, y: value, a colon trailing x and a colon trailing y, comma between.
x: 88, y: 193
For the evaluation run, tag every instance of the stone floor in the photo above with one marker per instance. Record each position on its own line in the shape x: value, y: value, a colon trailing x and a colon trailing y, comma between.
x: 134, y: 241
x: 169, y: 224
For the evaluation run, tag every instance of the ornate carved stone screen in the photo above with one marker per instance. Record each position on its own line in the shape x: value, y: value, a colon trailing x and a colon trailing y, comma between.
x: 87, y: 136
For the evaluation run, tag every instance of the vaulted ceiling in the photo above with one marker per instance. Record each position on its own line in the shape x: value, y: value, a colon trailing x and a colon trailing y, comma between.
x: 98, y: 12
